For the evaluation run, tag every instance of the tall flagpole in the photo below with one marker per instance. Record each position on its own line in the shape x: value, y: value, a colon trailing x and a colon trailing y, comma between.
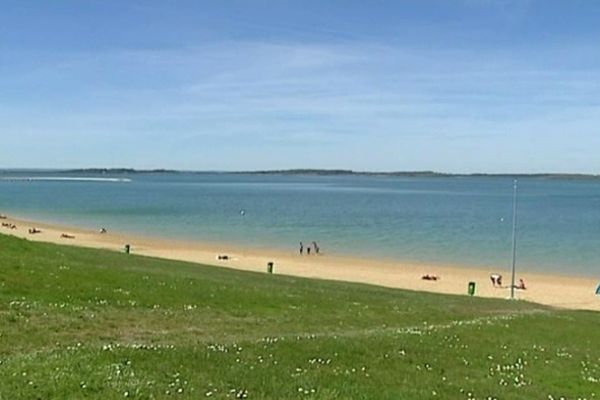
x: 514, y: 241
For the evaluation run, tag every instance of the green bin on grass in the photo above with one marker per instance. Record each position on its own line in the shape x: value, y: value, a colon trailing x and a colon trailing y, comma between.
x: 270, y: 267
x: 127, y: 248
x: 471, y: 288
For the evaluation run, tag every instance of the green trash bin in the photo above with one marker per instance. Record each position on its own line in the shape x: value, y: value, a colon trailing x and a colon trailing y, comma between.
x: 127, y: 248
x: 270, y: 267
x: 471, y: 288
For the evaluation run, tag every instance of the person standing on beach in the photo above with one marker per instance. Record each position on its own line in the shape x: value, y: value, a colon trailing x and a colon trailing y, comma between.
x: 496, y: 280
x: 301, y: 248
x: 316, y: 247
x: 308, y: 250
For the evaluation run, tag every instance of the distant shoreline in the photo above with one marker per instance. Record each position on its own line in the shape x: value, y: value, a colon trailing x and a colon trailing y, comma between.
x: 315, y: 172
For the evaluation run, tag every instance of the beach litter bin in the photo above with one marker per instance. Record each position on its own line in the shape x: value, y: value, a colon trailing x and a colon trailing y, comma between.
x: 471, y: 288
x: 127, y: 248
x: 270, y: 267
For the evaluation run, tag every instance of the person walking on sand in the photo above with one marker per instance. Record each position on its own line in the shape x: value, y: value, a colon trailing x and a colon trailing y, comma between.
x: 301, y: 248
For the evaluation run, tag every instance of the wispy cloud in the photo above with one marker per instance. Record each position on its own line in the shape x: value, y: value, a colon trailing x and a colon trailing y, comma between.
x: 320, y: 94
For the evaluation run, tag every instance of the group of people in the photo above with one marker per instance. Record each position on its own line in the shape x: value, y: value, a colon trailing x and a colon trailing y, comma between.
x: 497, y: 282
x: 34, y: 230
x: 9, y: 225
x: 314, y: 246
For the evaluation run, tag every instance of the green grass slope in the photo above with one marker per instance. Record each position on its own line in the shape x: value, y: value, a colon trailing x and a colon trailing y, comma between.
x: 78, y: 323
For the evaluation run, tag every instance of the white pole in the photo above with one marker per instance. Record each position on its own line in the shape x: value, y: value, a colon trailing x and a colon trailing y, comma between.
x: 514, y: 241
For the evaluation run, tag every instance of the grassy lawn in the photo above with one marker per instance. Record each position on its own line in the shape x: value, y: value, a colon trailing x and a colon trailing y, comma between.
x: 78, y: 323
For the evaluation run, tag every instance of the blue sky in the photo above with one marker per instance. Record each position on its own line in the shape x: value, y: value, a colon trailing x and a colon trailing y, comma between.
x: 458, y: 86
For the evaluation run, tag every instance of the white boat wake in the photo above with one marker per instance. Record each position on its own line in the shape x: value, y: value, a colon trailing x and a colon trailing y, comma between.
x: 64, y: 179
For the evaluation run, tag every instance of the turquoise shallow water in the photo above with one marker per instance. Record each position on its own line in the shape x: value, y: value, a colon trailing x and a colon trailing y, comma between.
x: 446, y: 220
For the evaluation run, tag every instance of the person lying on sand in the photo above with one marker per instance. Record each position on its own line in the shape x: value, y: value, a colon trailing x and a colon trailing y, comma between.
x: 222, y: 257
x: 521, y: 285
x: 2, y: 216
x: 6, y: 224
x: 430, y: 277
x: 34, y: 230
x: 67, y: 236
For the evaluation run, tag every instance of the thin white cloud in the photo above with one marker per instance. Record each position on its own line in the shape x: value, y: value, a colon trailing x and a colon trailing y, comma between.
x: 322, y: 94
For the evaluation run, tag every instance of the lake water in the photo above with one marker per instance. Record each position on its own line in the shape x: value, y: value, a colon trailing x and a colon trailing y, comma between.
x: 441, y: 220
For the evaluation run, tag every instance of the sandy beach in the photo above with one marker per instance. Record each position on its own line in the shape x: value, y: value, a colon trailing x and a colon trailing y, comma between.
x: 553, y: 290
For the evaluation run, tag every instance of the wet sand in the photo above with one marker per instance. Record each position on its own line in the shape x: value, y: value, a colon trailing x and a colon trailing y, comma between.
x: 559, y: 291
